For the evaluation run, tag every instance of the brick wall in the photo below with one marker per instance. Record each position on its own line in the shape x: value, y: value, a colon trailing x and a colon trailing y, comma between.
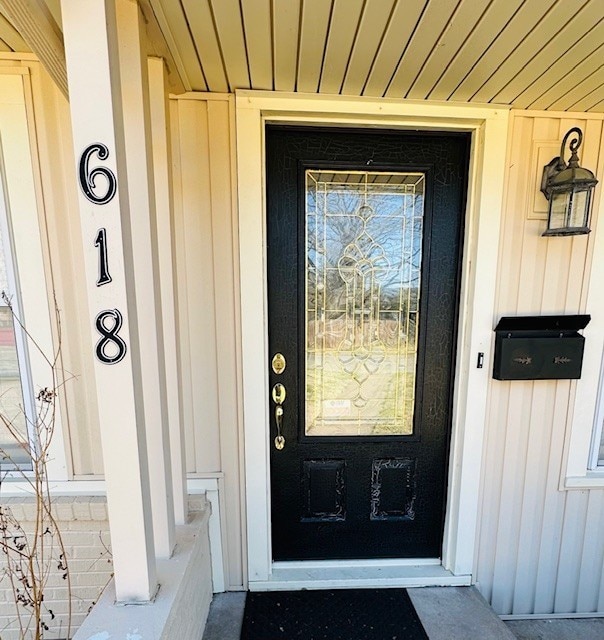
x: 84, y: 527
x: 85, y: 532
x: 180, y: 609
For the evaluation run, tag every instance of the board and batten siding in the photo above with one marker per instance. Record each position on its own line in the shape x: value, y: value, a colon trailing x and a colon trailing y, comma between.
x: 207, y: 268
x: 541, y: 548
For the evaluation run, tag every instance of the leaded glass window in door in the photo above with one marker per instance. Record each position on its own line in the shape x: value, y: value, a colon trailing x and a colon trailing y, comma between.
x: 363, y: 278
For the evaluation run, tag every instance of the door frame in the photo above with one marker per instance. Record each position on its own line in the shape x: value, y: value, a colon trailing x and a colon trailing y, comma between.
x: 489, y: 128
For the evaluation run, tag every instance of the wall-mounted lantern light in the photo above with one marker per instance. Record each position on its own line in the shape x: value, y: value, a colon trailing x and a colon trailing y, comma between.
x: 569, y: 189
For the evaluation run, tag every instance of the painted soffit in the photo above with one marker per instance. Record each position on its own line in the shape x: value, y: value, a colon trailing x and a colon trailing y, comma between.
x: 530, y: 54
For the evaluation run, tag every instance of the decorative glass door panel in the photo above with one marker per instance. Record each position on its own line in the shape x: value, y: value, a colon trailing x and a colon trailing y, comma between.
x: 363, y: 270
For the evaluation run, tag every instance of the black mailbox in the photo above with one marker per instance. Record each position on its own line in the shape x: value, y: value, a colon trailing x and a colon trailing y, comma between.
x: 539, y: 347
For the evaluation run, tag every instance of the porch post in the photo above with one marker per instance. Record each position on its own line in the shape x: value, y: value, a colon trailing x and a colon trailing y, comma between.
x: 106, y: 200
x: 141, y: 189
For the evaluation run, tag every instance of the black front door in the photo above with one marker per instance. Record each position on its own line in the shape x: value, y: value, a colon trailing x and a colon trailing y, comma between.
x: 364, y: 237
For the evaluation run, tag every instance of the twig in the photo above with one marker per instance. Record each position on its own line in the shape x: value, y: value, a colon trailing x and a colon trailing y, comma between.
x: 32, y: 558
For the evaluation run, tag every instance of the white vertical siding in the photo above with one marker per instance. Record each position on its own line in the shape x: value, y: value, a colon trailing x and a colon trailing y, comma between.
x: 208, y: 298
x: 541, y: 550
x: 195, y: 283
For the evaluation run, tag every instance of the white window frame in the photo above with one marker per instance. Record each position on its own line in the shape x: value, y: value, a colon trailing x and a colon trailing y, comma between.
x: 21, y: 197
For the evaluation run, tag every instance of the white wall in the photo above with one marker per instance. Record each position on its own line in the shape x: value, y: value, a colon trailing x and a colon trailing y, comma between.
x: 541, y: 547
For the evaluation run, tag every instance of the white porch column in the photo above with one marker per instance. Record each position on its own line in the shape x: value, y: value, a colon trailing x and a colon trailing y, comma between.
x: 158, y: 102
x: 139, y: 162
x: 106, y: 199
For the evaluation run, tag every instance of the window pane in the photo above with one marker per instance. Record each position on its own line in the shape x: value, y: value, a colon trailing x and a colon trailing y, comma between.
x: 11, y: 394
x: 363, y: 267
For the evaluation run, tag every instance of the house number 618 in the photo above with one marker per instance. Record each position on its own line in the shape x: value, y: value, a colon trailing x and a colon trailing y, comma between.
x: 111, y: 348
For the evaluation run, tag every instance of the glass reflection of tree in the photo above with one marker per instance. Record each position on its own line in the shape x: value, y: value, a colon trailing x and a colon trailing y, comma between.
x: 363, y: 279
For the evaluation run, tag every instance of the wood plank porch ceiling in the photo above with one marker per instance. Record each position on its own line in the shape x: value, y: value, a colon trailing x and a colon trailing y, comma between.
x: 535, y: 54
x: 531, y: 54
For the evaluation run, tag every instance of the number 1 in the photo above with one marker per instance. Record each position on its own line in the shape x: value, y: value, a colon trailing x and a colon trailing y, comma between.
x: 101, y: 242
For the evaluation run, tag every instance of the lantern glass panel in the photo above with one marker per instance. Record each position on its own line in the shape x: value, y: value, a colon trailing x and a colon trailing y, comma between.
x: 558, y: 205
x: 580, y: 206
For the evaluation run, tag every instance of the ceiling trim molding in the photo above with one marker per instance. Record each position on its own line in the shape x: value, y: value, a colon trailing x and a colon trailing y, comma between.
x: 38, y: 28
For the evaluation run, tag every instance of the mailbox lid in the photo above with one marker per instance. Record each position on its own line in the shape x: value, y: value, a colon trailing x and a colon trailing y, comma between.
x: 529, y: 324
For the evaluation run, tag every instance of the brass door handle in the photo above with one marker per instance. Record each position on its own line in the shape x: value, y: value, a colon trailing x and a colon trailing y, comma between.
x: 279, y: 440
x: 278, y: 398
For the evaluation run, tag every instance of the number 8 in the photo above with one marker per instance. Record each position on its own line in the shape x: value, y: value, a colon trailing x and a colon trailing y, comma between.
x: 109, y: 336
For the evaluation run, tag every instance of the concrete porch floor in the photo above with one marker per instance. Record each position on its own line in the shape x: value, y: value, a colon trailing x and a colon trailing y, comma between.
x: 447, y: 613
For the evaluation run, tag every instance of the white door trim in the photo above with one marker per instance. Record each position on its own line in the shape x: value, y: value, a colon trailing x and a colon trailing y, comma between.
x: 489, y: 127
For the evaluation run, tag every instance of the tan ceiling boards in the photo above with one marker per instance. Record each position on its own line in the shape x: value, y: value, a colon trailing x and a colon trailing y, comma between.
x: 531, y: 54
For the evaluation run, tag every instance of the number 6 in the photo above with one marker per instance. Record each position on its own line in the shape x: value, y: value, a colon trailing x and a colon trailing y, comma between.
x: 88, y: 178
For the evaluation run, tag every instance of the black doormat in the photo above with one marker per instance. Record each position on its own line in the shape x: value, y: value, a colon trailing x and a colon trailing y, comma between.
x: 344, y: 614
